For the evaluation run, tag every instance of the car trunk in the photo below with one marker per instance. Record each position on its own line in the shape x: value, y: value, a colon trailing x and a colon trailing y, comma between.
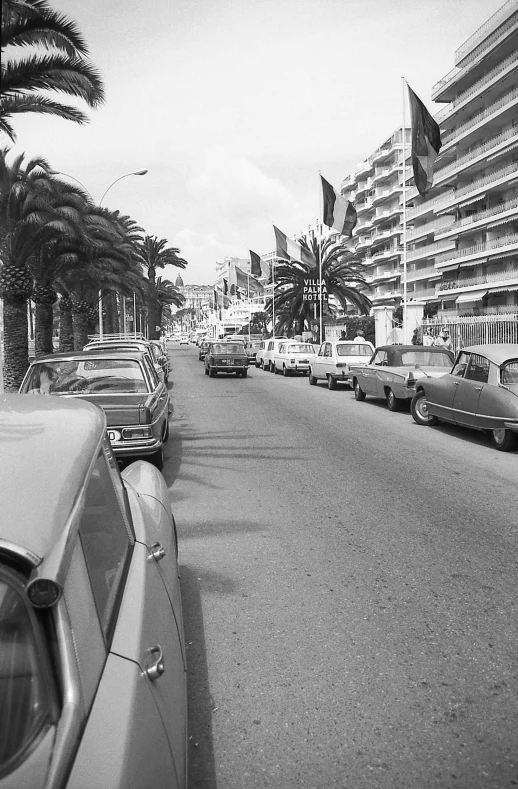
x: 122, y: 409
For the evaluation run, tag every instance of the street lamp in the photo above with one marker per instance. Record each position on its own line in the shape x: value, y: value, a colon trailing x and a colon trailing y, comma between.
x: 136, y: 172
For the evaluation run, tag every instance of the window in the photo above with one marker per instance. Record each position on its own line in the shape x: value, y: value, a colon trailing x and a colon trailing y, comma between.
x: 107, y: 542
x: 460, y: 365
x: 380, y: 358
x: 478, y: 369
x: 327, y: 351
x: 26, y: 703
x: 354, y: 350
x: 509, y: 372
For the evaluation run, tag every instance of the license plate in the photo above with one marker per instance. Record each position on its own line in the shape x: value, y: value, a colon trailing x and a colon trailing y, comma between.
x: 114, y: 435
x: 305, y: 361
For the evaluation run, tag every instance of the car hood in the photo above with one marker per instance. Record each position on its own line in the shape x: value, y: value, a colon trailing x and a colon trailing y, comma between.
x: 120, y: 408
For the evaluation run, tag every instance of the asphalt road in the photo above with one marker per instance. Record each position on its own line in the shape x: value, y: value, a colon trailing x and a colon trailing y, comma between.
x: 349, y: 581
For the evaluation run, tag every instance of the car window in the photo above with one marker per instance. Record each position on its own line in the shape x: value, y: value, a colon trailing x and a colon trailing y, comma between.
x: 478, y: 369
x: 327, y: 349
x: 380, y: 358
x: 509, y: 372
x: 85, y: 376
x: 107, y: 541
x: 354, y: 350
x: 426, y: 358
x: 153, y: 376
x: 461, y: 364
x: 25, y: 703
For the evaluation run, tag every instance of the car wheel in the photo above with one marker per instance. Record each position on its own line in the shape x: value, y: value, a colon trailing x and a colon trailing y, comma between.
x: 261, y: 364
x: 419, y: 410
x: 212, y: 372
x: 312, y: 379
x: 394, y: 403
x: 502, y: 439
x: 285, y: 371
x: 272, y: 368
x: 358, y: 391
x: 206, y: 370
x: 157, y: 459
x: 257, y: 364
x: 244, y: 373
x: 166, y: 431
x: 331, y: 382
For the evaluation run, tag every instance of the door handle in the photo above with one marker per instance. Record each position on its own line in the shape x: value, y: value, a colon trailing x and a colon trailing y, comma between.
x: 157, y: 552
x: 478, y: 388
x: 156, y: 669
x: 456, y: 383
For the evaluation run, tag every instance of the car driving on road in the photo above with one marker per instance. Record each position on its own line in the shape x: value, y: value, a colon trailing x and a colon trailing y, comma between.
x: 226, y: 357
x: 292, y: 358
x: 92, y: 658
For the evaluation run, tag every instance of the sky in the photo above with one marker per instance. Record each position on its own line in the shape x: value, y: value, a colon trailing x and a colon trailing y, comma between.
x: 234, y: 106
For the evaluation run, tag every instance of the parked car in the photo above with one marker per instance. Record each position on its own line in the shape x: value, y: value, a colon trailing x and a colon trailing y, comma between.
x: 128, y: 344
x: 93, y: 662
x: 202, y: 350
x: 226, y: 357
x: 123, y: 384
x: 292, y: 358
x: 333, y: 361
x: 480, y: 392
x: 252, y: 348
x: 392, y: 372
x: 259, y: 353
x: 272, y: 346
x: 160, y: 356
x: 184, y: 340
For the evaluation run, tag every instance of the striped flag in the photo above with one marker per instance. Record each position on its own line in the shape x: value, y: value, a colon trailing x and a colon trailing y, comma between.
x: 426, y: 143
x: 255, y: 264
x: 339, y: 213
x: 288, y: 249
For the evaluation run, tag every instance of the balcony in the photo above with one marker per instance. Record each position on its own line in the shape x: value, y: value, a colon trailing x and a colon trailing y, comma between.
x: 422, y: 273
x: 430, y: 250
x: 364, y: 168
x: 493, y: 248
x: 363, y: 207
x: 386, y: 150
x: 440, y: 224
x: 506, y: 278
x: 487, y: 33
x: 364, y: 243
x: 502, y: 141
x: 385, y: 254
x: 506, y: 102
x: 480, y: 219
x: 384, y: 276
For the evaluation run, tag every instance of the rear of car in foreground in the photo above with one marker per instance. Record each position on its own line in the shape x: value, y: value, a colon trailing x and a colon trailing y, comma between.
x: 123, y: 384
x: 92, y: 658
x: 293, y: 358
x: 481, y: 392
x: 226, y: 357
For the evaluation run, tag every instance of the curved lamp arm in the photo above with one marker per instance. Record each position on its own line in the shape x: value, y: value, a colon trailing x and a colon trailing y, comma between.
x: 136, y: 172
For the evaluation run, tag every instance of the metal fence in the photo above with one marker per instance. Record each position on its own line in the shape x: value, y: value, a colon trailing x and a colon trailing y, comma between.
x: 475, y: 330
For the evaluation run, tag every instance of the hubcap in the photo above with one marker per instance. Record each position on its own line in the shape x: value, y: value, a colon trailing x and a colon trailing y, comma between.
x: 499, y: 435
x: 422, y: 408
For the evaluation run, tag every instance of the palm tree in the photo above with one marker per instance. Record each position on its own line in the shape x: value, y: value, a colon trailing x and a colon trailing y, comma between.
x: 166, y: 293
x: 56, y: 61
x: 154, y: 254
x: 342, y: 274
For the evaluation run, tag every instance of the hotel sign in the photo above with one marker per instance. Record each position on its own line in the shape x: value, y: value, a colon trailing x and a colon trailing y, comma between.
x: 313, y: 286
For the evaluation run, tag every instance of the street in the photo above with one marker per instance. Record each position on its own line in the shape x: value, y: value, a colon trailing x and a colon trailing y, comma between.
x: 349, y: 584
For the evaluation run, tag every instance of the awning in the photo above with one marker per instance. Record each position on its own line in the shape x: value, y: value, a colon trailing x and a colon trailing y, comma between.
x: 472, y: 200
x: 509, y: 220
x: 465, y: 297
x: 500, y: 255
x: 503, y: 289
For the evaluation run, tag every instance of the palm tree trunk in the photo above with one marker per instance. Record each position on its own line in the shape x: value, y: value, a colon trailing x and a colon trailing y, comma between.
x: 80, y: 325
x: 66, y: 329
x: 16, y: 343
x: 43, y: 325
x: 108, y: 304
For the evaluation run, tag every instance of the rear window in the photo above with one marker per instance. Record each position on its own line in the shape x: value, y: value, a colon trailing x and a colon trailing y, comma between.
x: 300, y: 348
x: 86, y: 376
x: 425, y: 358
x: 25, y: 701
x: 354, y: 350
x: 509, y: 372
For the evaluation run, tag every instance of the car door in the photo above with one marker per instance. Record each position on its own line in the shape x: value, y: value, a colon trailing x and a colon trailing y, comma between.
x: 443, y: 391
x: 319, y: 362
x: 371, y: 374
x: 128, y: 733
x: 467, y: 390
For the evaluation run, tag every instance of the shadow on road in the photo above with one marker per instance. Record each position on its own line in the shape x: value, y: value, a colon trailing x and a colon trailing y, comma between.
x: 202, y: 773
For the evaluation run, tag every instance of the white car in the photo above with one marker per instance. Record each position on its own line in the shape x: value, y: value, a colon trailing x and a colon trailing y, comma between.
x: 334, y: 358
x: 292, y: 358
x: 272, y: 346
x: 184, y: 341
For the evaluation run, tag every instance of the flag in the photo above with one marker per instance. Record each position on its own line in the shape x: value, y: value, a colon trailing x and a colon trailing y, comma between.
x: 339, y: 213
x: 255, y: 264
x: 286, y: 248
x: 426, y: 143
x: 225, y: 287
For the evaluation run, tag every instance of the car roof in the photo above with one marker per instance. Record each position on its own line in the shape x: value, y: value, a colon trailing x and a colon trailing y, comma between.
x: 47, y: 446
x: 363, y: 341
x: 432, y: 348
x: 498, y: 353
x: 78, y: 355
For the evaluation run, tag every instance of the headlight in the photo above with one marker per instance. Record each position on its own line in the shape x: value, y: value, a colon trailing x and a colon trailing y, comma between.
x: 137, y: 432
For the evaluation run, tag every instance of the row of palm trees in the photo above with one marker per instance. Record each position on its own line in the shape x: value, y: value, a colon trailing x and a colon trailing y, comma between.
x: 58, y: 248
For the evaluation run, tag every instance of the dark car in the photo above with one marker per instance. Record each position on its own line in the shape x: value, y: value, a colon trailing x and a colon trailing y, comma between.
x: 226, y: 357
x: 252, y: 348
x: 480, y: 392
x: 123, y: 384
x: 202, y: 349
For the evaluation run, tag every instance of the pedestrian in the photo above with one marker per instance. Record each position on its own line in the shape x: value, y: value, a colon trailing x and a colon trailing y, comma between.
x: 343, y: 335
x: 427, y: 337
x: 360, y: 337
x: 443, y: 340
x: 298, y: 338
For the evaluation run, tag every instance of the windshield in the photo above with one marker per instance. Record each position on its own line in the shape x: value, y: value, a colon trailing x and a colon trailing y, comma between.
x: 354, y: 350
x: 425, y: 359
x: 509, y: 372
x: 228, y: 348
x: 86, y: 376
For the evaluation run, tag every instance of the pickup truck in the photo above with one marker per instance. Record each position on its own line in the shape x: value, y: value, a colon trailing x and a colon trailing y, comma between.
x: 393, y: 370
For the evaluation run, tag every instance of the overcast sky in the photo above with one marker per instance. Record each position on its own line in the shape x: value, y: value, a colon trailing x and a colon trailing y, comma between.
x: 235, y: 105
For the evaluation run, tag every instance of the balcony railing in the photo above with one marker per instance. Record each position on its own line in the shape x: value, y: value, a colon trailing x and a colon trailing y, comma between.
x: 484, y: 36
x: 429, y: 250
x: 509, y: 275
x: 458, y: 164
x: 487, y: 246
x: 475, y: 88
x: 453, y: 196
x: 419, y: 273
x: 488, y: 213
x: 435, y: 226
x: 479, y: 117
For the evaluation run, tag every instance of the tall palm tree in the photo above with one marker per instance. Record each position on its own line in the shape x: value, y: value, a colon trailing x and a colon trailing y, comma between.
x: 155, y: 254
x: 56, y: 60
x: 343, y: 275
x: 166, y: 294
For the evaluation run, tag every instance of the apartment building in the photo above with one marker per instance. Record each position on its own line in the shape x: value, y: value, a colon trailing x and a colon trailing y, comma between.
x: 376, y: 188
x: 463, y: 237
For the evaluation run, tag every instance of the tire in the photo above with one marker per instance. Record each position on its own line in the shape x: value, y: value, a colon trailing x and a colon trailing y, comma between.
x: 419, y: 410
x: 212, y: 372
x: 244, y: 373
x: 166, y: 431
x: 312, y: 379
x: 261, y: 364
x: 393, y: 403
x: 285, y: 371
x: 257, y: 364
x: 358, y: 392
x: 503, y: 439
x: 206, y: 370
x: 331, y: 383
x: 275, y: 369
x: 157, y: 459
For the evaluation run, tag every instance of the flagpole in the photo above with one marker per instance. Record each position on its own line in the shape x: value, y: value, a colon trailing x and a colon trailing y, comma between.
x: 320, y: 245
x: 249, y: 308
x: 273, y: 296
x: 403, y: 132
